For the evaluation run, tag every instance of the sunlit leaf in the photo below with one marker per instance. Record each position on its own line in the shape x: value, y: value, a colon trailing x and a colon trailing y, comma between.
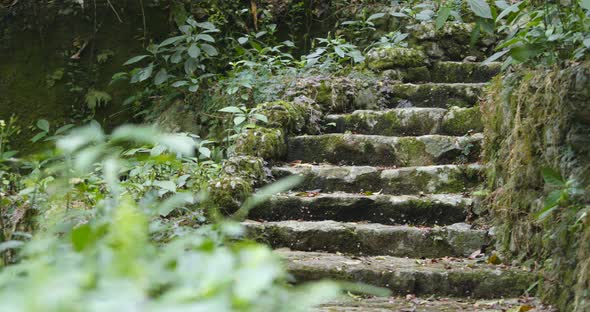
x: 552, y: 177
x: 43, y: 125
x: 480, y: 8
x: 135, y: 59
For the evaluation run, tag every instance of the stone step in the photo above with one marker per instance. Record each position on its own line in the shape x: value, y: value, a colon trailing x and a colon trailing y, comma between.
x: 397, y: 181
x: 408, y: 121
x: 374, y: 150
x: 431, y: 304
x: 386, y: 209
x: 344, y: 94
x: 441, y: 95
x: 446, y: 72
x: 441, y: 277
x: 370, y: 239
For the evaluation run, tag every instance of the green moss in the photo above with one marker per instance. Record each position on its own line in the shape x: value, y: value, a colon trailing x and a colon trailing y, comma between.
x: 228, y: 192
x: 294, y: 118
x: 530, y: 118
x: 266, y: 143
x: 463, y: 72
x: 387, y: 58
x: 248, y: 167
x: 460, y: 121
x: 413, y: 152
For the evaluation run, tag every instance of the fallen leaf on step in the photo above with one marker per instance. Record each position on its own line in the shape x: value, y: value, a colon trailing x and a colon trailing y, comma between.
x: 525, y: 308
x: 476, y: 254
x: 494, y: 259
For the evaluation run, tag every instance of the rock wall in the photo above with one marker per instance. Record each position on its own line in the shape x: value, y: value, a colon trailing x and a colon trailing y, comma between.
x: 536, y: 119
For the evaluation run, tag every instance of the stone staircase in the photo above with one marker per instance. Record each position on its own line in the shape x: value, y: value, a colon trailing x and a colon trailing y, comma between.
x: 386, y: 196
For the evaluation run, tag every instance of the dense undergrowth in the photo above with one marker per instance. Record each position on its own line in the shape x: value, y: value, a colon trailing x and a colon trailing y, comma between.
x: 148, y: 219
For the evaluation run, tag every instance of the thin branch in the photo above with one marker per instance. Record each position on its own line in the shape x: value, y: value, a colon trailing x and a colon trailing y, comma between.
x: 144, y: 22
x: 115, y: 11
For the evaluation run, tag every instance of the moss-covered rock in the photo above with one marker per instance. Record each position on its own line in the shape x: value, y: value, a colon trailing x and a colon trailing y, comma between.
x: 447, y: 276
x: 371, y: 239
x: 382, y: 150
x: 248, y: 167
x: 395, y: 57
x: 451, y: 42
x: 463, y: 72
x: 432, y: 94
x: 395, y: 122
x: 534, y: 119
x: 461, y: 120
x: 228, y: 192
x: 293, y: 117
x: 378, y: 208
x: 267, y: 143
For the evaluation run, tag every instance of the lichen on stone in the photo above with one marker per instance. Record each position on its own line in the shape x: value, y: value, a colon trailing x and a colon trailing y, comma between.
x: 228, y: 192
x: 293, y: 117
x: 395, y: 57
x: 267, y: 143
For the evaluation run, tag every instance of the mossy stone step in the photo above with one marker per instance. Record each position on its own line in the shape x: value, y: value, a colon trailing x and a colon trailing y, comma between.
x: 408, y: 121
x: 368, y: 239
x: 397, y: 181
x: 442, y: 277
x: 353, y: 149
x: 444, y: 72
x: 441, y: 95
x: 343, y: 94
x: 386, y: 209
x: 431, y: 304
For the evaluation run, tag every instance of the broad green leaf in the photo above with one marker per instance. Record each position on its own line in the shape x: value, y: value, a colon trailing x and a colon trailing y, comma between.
x: 239, y: 120
x: 207, y: 25
x: 38, y: 136
x: 232, y: 109
x: 553, y: 199
x: 495, y: 56
x: 176, y: 57
x: 375, y: 16
x: 339, y: 51
x: 242, y: 40
x: 480, y: 8
x: 261, y: 117
x: 194, y: 51
x: 194, y: 88
x: 63, y: 129
x: 146, y: 73
x: 180, y: 83
x: 190, y: 66
x: 81, y: 237
x: 524, y: 53
x: 552, y: 177
x: 205, y: 37
x: 209, y: 49
x: 135, y: 59
x: 511, y: 9
x: 167, y: 185
x: 171, y: 40
x: 205, y: 151
x: 43, y: 125
x: 161, y: 77
x: 443, y: 16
